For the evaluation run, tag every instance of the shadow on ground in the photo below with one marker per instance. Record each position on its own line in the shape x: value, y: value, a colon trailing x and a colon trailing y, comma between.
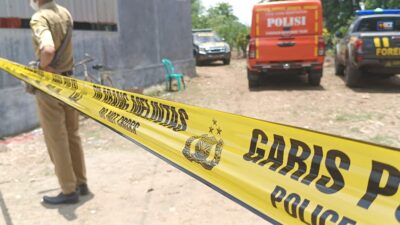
x: 286, y: 83
x: 68, y: 211
x: 212, y: 64
x: 375, y: 84
x: 4, y: 211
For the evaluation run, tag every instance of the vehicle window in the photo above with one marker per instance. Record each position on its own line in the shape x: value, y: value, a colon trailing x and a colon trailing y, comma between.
x: 203, y: 38
x: 381, y: 24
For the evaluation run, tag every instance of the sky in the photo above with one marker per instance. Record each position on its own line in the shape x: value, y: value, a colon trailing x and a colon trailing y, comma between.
x: 241, y: 8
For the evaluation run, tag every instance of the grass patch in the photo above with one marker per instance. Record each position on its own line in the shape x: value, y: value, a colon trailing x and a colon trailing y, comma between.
x: 355, y: 130
x: 382, y: 139
x: 345, y: 117
x: 155, y: 91
x: 330, y: 52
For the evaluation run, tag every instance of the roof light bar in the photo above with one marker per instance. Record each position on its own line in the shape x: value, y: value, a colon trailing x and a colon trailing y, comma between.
x: 377, y: 11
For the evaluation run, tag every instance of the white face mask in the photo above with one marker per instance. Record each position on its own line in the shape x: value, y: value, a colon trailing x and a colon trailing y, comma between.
x: 35, y: 5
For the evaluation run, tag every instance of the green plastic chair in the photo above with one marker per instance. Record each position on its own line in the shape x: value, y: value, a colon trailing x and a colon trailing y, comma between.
x: 170, y: 75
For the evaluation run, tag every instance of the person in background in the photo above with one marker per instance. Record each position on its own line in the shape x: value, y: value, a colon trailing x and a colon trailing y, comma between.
x: 51, y: 27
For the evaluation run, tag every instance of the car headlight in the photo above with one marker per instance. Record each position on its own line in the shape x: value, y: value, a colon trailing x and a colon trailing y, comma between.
x: 227, y: 48
x: 202, y: 50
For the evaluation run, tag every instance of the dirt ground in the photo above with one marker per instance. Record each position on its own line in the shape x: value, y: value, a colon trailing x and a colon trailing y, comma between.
x: 132, y: 186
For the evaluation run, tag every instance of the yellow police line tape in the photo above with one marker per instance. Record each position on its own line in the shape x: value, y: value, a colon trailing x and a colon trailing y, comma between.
x: 285, y: 174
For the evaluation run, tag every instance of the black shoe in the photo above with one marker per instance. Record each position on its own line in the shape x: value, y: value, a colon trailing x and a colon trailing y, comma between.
x: 62, y: 199
x: 83, y: 189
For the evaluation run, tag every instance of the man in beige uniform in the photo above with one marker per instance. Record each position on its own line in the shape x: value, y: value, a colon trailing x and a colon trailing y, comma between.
x: 52, y: 31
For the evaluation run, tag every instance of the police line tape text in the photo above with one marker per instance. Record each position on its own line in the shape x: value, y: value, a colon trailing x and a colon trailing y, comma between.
x: 336, y: 162
x: 115, y: 118
x: 296, y: 207
x: 165, y: 115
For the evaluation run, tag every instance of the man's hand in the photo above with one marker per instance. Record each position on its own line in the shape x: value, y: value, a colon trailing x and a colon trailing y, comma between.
x: 47, y: 54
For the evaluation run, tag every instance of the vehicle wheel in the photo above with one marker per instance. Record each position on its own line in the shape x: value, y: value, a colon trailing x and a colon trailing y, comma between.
x: 253, y: 84
x: 198, y: 62
x: 227, y: 61
x: 253, y: 79
x: 339, y: 68
x: 352, y: 76
x: 314, y: 78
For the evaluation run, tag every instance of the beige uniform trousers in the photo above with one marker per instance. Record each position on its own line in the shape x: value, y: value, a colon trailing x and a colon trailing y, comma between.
x: 60, y: 124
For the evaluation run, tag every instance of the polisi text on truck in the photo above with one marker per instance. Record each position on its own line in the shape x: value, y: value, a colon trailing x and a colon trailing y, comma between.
x: 287, y: 21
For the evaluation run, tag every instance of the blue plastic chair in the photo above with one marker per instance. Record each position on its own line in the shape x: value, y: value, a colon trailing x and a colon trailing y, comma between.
x: 170, y: 75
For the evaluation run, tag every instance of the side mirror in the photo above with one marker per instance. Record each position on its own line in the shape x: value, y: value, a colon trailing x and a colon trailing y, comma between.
x: 338, y: 34
x: 248, y: 37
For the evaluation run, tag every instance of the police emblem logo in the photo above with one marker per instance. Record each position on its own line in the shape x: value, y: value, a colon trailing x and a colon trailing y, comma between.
x: 205, y: 149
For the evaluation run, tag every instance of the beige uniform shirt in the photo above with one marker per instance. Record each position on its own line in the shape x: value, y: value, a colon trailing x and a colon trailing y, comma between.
x: 49, y: 26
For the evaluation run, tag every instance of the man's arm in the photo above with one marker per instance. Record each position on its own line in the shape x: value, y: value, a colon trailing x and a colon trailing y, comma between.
x: 44, y: 37
x: 47, y: 51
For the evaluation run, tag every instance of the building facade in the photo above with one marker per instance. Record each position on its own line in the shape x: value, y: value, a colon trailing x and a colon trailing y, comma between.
x: 129, y: 37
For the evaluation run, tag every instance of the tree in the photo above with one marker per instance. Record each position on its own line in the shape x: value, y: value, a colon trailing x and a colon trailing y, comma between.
x: 198, y: 19
x: 392, y: 4
x: 242, y: 41
x: 338, y: 14
x: 223, y: 21
x: 223, y: 10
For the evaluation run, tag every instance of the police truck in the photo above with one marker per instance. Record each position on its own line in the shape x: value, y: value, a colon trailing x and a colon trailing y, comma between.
x: 371, y: 46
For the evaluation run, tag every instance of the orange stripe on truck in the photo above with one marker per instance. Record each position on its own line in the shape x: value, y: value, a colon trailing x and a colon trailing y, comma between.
x: 310, y: 7
x: 257, y: 48
x: 316, y: 45
x: 293, y: 8
x: 274, y: 9
x: 263, y: 10
x: 258, y: 24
